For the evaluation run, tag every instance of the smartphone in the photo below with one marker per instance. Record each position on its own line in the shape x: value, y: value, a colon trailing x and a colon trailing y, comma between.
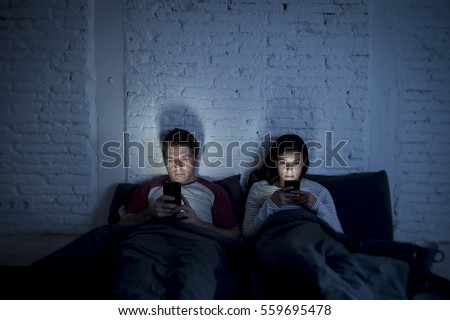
x: 292, y: 183
x: 173, y: 189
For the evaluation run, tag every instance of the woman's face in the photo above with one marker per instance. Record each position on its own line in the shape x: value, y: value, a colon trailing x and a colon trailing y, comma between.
x: 289, y: 166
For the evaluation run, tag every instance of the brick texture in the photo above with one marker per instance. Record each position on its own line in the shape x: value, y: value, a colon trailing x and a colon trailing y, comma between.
x: 248, y: 69
x: 47, y: 132
x: 422, y: 191
x: 237, y: 73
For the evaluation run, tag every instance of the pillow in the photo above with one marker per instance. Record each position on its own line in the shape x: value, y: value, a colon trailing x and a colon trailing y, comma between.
x: 362, y: 202
x: 231, y: 185
x: 122, y: 195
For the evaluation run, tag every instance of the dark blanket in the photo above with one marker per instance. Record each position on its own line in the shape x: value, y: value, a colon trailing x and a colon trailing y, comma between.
x: 167, y: 259
x: 300, y: 257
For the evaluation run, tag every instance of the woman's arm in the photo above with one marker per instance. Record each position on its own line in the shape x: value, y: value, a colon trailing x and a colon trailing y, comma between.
x: 325, y: 209
x: 259, y: 207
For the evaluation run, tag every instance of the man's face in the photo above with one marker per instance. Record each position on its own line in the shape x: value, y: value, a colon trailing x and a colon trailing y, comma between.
x: 180, y: 164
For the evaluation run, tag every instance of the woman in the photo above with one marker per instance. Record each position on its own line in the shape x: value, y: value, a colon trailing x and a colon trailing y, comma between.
x: 297, y: 244
x: 287, y: 160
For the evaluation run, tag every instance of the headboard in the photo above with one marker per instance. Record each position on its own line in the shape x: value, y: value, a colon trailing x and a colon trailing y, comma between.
x: 362, y: 201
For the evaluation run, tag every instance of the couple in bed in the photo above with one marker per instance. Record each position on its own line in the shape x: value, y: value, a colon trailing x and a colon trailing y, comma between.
x: 207, y: 205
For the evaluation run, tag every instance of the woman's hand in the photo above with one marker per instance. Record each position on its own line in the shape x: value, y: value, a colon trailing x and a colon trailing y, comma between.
x: 303, y: 198
x: 284, y: 196
x: 281, y: 197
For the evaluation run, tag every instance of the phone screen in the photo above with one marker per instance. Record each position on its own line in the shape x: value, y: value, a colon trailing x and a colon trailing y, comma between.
x: 173, y: 189
x: 292, y: 183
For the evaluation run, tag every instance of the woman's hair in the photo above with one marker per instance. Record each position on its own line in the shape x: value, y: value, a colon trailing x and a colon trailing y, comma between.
x: 287, y: 142
x: 180, y: 137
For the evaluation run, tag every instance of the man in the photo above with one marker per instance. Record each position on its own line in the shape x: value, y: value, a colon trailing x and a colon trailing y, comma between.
x: 205, y: 204
x: 162, y: 259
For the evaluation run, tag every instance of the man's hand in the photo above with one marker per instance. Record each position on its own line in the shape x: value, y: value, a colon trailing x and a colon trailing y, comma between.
x: 159, y: 209
x: 162, y: 208
x: 186, y: 213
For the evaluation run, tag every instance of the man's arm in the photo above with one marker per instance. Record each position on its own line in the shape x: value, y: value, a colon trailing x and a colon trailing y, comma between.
x: 159, y: 209
x: 135, y: 217
x: 187, y: 214
x: 184, y: 213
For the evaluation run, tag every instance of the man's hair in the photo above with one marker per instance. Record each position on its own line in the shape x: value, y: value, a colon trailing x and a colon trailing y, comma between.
x: 287, y: 142
x: 180, y: 137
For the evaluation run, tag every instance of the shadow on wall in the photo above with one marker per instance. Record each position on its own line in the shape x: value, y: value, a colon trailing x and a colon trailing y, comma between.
x: 180, y: 117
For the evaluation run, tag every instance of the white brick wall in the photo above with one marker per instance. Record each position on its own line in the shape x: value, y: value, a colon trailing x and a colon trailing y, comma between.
x: 248, y: 68
x: 47, y: 129
x: 422, y: 189
x: 245, y: 69
x: 231, y: 71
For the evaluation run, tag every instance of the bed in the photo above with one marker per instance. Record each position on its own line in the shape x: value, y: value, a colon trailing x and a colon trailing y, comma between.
x: 172, y: 260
